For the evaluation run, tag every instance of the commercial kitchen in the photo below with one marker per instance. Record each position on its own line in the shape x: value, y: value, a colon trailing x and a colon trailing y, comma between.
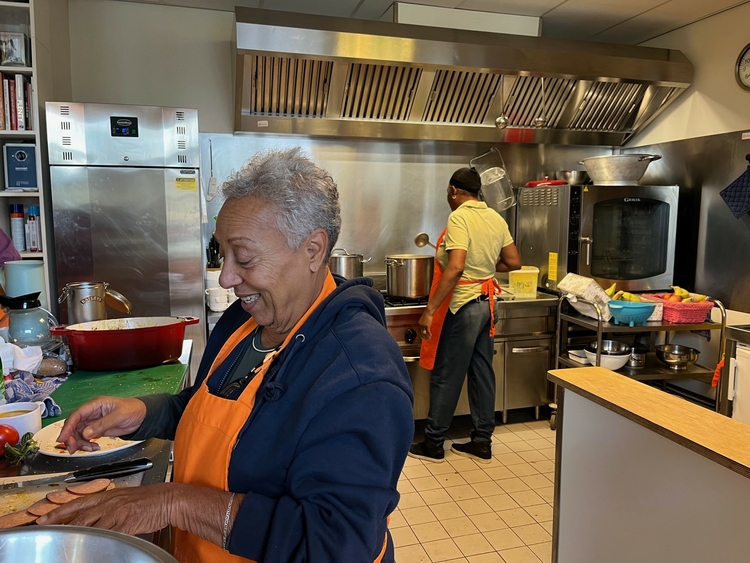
x: 614, y: 141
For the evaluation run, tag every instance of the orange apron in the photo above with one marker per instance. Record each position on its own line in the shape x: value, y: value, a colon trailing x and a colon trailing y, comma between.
x: 428, y: 348
x: 213, y: 424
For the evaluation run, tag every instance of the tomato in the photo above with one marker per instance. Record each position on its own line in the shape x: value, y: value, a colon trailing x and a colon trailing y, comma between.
x: 8, y: 435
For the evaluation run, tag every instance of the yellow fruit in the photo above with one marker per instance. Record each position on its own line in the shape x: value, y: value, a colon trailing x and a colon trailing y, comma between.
x: 618, y: 295
x: 635, y: 298
x: 698, y: 297
x: 683, y: 293
x: 611, y: 290
x: 688, y: 300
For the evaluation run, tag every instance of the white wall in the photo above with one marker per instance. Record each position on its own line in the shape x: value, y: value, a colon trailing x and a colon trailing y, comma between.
x: 714, y: 103
x: 146, y: 54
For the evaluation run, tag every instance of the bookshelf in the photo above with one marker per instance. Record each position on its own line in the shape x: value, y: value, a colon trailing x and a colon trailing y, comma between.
x: 21, y: 15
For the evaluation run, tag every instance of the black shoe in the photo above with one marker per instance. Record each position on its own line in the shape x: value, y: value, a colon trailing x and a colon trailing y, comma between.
x: 478, y: 451
x: 427, y: 451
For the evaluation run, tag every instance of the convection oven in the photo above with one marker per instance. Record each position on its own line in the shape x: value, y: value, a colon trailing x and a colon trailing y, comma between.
x: 623, y: 234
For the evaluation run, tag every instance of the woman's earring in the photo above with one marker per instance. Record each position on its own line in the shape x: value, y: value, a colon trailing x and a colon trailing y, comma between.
x: 453, y: 196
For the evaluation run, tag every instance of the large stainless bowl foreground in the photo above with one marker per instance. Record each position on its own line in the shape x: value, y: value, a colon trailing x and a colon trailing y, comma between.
x: 73, y: 544
x: 677, y: 357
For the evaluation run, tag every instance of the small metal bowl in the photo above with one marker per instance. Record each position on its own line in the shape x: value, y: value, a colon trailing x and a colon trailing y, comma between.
x: 610, y: 348
x: 573, y: 177
x: 677, y: 357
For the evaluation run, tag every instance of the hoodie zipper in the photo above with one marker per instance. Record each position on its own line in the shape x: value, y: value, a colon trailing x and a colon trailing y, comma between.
x: 259, y: 400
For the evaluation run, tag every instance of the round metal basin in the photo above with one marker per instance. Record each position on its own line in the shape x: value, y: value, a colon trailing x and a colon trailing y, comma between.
x: 73, y: 544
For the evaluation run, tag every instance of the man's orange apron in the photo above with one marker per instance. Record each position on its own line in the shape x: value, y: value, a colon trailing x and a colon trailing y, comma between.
x: 490, y: 288
x: 213, y: 424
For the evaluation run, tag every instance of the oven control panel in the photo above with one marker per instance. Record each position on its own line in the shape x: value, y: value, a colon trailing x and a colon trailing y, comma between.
x: 574, y: 228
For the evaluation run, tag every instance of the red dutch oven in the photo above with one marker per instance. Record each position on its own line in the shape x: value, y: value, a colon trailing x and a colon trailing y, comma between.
x: 125, y: 344
x: 545, y: 182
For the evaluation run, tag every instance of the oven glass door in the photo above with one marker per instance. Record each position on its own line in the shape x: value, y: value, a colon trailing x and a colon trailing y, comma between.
x: 628, y: 234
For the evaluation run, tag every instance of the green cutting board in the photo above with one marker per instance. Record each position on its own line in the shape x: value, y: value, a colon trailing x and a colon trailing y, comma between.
x: 83, y: 386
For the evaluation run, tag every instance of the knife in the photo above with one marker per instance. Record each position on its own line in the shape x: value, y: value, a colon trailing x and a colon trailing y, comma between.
x: 117, y: 469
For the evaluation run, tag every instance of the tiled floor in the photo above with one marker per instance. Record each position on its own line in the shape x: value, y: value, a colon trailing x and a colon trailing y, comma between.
x: 460, y: 511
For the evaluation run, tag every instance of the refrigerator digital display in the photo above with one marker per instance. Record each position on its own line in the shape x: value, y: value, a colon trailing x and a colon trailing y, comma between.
x: 124, y: 126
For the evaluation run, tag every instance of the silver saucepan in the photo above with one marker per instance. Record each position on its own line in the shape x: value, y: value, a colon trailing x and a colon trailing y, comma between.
x: 345, y: 264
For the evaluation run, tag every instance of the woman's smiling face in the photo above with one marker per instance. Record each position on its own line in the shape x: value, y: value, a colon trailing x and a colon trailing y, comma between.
x: 275, y: 283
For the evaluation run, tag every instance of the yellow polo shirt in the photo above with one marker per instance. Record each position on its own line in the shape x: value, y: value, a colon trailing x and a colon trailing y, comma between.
x: 482, y: 233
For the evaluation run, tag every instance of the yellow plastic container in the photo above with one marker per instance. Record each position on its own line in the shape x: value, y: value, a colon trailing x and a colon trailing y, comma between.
x: 523, y: 282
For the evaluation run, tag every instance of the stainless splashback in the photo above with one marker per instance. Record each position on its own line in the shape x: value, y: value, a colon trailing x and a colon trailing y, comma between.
x: 341, y: 77
x: 389, y: 190
x: 713, y: 247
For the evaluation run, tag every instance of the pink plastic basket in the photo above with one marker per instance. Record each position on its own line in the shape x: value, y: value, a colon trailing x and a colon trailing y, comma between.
x: 684, y: 313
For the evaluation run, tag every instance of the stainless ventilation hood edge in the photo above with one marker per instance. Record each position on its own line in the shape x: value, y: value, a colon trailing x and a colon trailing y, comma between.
x: 603, y: 94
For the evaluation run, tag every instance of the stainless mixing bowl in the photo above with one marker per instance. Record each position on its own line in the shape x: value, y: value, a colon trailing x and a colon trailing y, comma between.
x: 74, y: 544
x: 573, y: 177
x: 677, y: 357
x: 610, y: 348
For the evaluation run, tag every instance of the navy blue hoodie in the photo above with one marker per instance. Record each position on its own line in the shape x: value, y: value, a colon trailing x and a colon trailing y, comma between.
x: 322, y: 451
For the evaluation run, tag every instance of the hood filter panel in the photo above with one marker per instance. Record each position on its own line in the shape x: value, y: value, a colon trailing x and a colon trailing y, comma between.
x: 608, y: 106
x: 380, y: 91
x: 288, y: 86
x: 525, y: 101
x: 460, y: 96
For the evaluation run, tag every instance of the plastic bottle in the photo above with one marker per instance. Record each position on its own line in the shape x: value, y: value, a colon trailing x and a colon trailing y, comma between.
x: 17, y: 228
x: 32, y: 229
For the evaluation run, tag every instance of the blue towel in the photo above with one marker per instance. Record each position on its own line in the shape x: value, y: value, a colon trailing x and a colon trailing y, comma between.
x: 23, y: 388
x: 737, y: 194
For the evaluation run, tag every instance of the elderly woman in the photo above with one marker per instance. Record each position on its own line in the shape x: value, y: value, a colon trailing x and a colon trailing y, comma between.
x: 291, y: 442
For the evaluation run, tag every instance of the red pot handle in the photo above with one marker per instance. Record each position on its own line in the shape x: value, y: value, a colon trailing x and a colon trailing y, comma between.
x: 190, y: 320
x: 60, y: 330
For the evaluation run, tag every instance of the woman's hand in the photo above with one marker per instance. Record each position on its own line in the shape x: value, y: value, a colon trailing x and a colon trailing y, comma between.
x: 425, y: 322
x: 132, y: 510
x: 104, y: 416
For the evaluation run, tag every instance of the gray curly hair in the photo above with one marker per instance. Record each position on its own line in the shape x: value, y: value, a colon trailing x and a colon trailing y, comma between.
x: 304, y: 196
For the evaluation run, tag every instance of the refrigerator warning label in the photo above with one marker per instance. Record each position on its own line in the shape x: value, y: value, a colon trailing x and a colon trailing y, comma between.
x: 186, y: 184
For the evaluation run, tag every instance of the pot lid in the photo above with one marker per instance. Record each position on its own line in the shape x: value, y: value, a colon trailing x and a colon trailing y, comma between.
x: 28, y: 301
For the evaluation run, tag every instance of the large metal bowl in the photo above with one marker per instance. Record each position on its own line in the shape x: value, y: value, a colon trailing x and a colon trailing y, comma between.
x: 677, y: 357
x: 74, y: 544
x: 618, y: 169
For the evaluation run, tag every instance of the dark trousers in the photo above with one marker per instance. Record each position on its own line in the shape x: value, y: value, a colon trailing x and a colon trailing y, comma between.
x: 465, y: 348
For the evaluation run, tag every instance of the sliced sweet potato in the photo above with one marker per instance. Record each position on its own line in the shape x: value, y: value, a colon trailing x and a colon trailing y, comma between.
x: 61, y: 496
x: 16, y: 519
x: 42, y: 507
x: 89, y: 487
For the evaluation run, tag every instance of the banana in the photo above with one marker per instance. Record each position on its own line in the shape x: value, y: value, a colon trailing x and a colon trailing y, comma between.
x: 635, y: 298
x: 684, y: 293
x: 618, y: 295
x: 611, y: 290
x: 688, y: 300
x: 698, y: 297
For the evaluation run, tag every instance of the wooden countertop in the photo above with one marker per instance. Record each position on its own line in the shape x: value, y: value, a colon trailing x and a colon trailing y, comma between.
x: 716, y: 437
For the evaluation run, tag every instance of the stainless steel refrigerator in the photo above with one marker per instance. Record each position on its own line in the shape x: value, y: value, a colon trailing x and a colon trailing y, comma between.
x: 126, y: 207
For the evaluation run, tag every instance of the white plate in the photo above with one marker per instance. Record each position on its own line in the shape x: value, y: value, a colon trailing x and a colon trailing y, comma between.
x: 47, y: 440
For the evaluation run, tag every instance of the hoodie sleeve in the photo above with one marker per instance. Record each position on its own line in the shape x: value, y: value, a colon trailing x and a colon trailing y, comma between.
x: 340, y: 486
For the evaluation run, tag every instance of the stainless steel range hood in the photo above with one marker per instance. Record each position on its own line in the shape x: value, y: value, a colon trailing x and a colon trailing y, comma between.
x: 341, y: 77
